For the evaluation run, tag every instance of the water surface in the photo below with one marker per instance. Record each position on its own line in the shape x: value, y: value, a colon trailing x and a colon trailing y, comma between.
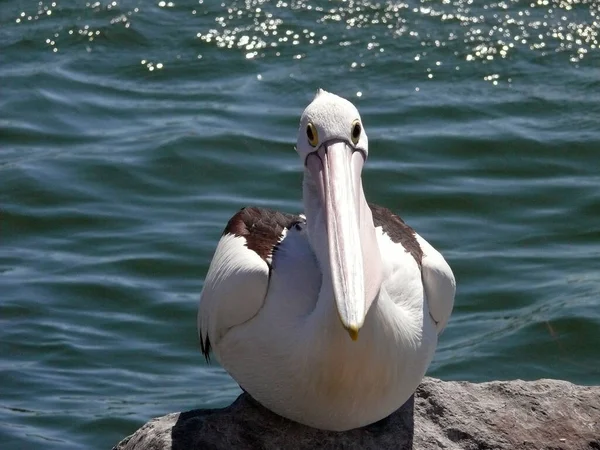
x: 131, y: 131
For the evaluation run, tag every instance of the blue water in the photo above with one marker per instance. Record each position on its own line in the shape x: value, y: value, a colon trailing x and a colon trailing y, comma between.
x: 131, y: 131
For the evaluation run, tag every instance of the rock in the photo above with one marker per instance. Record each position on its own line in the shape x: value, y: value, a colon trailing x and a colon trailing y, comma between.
x: 543, y: 414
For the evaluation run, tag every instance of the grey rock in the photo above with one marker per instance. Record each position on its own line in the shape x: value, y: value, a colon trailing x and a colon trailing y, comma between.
x: 543, y: 414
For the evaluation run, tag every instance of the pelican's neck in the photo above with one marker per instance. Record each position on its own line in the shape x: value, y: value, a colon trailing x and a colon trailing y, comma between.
x: 316, y: 224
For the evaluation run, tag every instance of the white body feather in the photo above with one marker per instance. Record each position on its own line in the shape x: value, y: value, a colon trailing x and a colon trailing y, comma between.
x: 278, y: 339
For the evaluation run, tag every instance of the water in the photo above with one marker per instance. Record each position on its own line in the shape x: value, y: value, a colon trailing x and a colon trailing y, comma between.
x: 131, y: 131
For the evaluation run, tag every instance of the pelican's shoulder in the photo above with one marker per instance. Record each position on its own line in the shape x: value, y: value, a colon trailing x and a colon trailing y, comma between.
x: 262, y: 229
x: 237, y: 281
x: 397, y: 231
x: 438, y: 280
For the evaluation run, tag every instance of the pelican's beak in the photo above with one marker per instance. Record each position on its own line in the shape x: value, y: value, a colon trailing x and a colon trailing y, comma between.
x: 336, y: 169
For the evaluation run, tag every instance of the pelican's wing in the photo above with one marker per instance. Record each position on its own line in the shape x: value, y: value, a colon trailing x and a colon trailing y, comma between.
x: 436, y: 275
x: 439, y: 284
x: 238, y: 277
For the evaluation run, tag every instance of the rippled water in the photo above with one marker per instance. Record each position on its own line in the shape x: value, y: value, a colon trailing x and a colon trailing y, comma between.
x: 131, y: 131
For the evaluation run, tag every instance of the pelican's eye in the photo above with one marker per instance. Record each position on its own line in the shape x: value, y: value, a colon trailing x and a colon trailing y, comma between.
x: 311, y: 134
x: 356, y: 130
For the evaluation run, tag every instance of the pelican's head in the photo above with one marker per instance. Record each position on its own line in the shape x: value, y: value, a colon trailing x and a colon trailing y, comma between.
x: 333, y: 146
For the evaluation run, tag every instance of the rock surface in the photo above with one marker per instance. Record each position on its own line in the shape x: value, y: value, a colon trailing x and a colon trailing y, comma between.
x: 543, y: 414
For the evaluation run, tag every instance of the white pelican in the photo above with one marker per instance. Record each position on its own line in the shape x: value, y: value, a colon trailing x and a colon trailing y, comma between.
x: 329, y: 318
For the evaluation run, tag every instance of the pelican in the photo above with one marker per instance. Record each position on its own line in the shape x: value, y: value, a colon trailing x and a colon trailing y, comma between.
x: 330, y: 318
